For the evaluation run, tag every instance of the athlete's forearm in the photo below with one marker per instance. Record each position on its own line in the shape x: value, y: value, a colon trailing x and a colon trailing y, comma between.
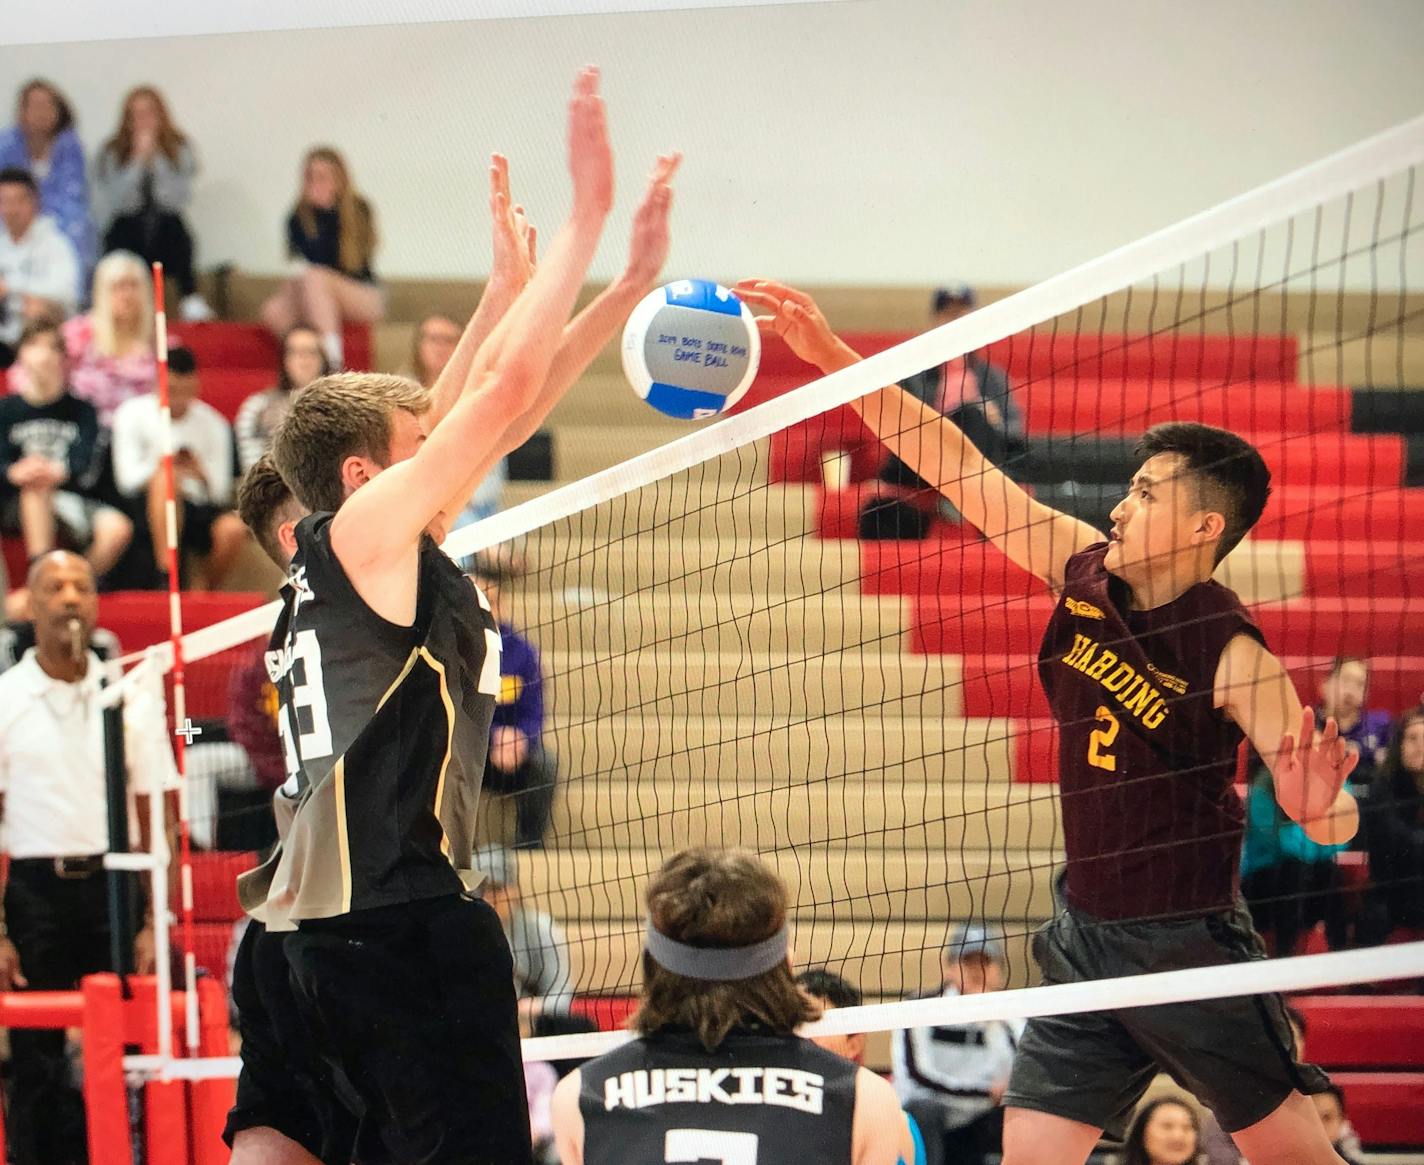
x: 498, y: 296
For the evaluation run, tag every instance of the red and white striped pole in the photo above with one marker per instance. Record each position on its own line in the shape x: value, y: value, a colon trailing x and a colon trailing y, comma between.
x: 192, y: 1032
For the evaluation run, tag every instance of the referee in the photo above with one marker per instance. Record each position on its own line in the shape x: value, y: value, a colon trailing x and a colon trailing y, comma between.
x: 53, y: 809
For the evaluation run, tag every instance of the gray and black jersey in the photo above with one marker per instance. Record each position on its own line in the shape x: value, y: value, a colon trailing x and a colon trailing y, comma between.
x: 758, y: 1098
x: 385, y: 731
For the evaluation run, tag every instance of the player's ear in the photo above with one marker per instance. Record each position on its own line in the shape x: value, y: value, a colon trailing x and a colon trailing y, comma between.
x: 287, y: 537
x: 356, y: 471
x: 1211, y: 527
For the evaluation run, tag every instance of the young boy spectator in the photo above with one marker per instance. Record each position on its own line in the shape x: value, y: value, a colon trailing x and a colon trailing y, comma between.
x: 951, y: 1078
x: 52, y: 453
x: 543, y: 973
x: 518, y: 763
x: 202, y: 469
x: 39, y: 271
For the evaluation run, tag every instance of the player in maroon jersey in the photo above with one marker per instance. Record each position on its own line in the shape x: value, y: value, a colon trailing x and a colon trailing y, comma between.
x: 1154, y: 672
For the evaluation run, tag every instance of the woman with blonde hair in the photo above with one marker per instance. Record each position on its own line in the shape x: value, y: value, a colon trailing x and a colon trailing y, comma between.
x: 143, y: 183
x: 718, y: 1072
x: 44, y: 142
x: 111, y: 348
x: 331, y: 234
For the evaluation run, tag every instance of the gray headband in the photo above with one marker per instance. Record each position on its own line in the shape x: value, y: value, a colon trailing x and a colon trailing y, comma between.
x: 717, y: 964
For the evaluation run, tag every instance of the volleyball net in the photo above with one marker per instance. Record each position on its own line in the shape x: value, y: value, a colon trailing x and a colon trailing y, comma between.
x: 766, y: 634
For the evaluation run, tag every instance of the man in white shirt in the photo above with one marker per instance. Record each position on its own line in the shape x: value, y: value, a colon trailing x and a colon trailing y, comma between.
x: 53, y: 807
x: 202, y: 470
x: 951, y: 1078
x: 39, y: 271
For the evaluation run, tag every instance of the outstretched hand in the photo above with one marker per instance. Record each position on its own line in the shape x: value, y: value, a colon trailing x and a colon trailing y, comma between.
x: 1320, y: 762
x: 515, y: 238
x: 798, y: 321
x: 648, y: 250
x: 590, y: 155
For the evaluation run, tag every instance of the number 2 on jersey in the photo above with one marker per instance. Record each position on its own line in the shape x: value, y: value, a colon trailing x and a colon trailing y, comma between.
x: 683, y: 1145
x: 1101, y: 739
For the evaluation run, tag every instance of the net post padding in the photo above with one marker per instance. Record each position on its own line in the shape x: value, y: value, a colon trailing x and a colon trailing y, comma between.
x: 105, y: 1095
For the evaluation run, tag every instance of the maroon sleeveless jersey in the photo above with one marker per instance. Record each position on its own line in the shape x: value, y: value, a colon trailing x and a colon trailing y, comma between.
x: 1151, y: 822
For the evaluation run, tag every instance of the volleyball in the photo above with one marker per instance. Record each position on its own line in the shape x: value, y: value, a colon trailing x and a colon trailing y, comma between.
x: 691, y: 349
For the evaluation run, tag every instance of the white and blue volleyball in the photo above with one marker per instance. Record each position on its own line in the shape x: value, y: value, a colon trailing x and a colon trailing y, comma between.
x: 691, y: 349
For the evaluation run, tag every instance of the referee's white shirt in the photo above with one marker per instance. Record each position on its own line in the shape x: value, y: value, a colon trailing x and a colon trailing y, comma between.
x: 955, y: 1065
x: 52, y: 759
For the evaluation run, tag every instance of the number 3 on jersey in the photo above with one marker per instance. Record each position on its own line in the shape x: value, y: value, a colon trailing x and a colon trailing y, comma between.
x: 309, y: 695
x: 1101, y: 740
x: 694, y: 1145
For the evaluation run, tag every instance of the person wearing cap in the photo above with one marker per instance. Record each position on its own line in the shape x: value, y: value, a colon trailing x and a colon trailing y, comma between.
x: 971, y: 391
x: 543, y: 974
x: 951, y: 1077
x: 717, y: 1072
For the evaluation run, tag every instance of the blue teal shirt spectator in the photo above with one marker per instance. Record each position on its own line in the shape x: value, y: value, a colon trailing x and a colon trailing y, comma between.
x: 1272, y: 838
x: 44, y: 142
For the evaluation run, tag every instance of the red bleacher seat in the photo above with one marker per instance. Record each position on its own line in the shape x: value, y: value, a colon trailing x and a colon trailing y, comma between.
x: 1385, y: 1107
x: 1363, y: 1031
x: 1396, y: 681
x: 235, y: 345
x: 215, y: 884
x: 936, y: 567
x: 1385, y: 516
x: 1127, y: 407
x: 226, y: 388
x: 610, y: 1012
x: 211, y: 941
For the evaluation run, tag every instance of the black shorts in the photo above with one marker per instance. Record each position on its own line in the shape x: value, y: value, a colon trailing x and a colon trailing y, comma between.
x: 284, y: 1084
x: 415, y: 1006
x: 1235, y: 1055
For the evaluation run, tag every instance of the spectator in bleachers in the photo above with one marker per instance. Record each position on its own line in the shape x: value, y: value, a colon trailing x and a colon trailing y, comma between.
x: 1343, y: 693
x: 143, y: 183
x: 53, y: 805
x: 39, y: 271
x: 543, y: 972
x: 302, y: 361
x: 1394, y: 835
x: 331, y: 235
x: 431, y: 347
x: 43, y: 141
x: 1289, y: 881
x: 1330, y: 1104
x: 951, y: 1078
x: 1166, y: 1131
x: 519, y: 763
x: 52, y: 452
x: 972, y: 392
x: 202, y: 469
x: 111, y: 349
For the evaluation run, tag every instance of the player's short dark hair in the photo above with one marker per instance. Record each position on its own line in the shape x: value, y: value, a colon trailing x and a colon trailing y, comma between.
x: 820, y: 983
x: 344, y: 415
x: 263, y: 503
x: 1231, y: 476
x: 182, y: 361
x: 718, y: 898
x: 15, y: 176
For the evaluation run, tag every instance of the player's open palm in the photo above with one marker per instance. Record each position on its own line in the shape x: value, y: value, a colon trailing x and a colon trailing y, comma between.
x: 1317, y: 762
x: 515, y: 238
x: 590, y: 155
x: 797, y: 320
x: 648, y: 250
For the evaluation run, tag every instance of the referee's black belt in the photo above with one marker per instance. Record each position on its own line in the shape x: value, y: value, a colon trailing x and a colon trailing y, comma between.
x: 68, y: 867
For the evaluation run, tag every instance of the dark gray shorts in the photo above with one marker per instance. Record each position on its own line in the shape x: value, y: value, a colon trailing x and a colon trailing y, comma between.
x: 1234, y: 1055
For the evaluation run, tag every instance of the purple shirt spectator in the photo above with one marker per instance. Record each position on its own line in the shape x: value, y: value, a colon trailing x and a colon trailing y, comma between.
x: 64, y: 186
x: 521, y: 689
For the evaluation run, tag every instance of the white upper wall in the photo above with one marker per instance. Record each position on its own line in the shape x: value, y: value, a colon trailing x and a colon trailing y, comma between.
x: 870, y: 141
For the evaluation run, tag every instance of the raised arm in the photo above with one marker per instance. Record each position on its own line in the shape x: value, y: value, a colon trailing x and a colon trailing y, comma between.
x: 1254, y: 689
x: 376, y: 532
x: 586, y: 335
x: 1034, y: 536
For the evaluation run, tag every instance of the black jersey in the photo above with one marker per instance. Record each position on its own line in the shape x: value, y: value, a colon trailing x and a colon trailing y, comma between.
x: 1152, y: 825
x: 756, y: 1100
x: 385, y: 730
